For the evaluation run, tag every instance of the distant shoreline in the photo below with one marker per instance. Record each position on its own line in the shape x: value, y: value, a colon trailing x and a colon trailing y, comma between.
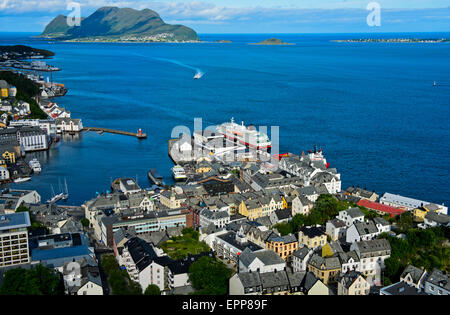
x: 393, y: 40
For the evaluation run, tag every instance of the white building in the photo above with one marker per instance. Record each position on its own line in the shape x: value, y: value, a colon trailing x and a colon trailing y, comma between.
x: 32, y: 139
x: 67, y: 124
x: 336, y: 229
x: 351, y: 215
x: 260, y: 261
x: 300, y: 258
x: 48, y: 125
x: 301, y: 205
x: 407, y: 203
x: 361, y: 231
x: 4, y: 173
x: 372, y: 255
x: 218, y: 218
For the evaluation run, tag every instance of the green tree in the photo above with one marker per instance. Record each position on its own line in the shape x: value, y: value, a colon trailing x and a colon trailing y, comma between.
x: 22, y: 209
x: 152, y: 289
x: 39, y: 280
x: 405, y: 221
x: 85, y: 222
x: 209, y: 276
x: 284, y: 228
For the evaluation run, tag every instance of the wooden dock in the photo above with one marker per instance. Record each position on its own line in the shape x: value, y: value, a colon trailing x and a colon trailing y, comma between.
x: 138, y: 135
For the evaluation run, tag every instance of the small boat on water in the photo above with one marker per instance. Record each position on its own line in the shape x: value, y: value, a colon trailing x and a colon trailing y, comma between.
x: 198, y: 75
x: 154, y: 176
x: 179, y: 173
x: 35, y: 165
x: 434, y: 83
x: 22, y: 179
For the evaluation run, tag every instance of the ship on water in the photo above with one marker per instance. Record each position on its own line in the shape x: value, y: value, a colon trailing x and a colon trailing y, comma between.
x: 248, y: 136
x: 179, y: 173
x: 35, y: 166
x: 154, y: 177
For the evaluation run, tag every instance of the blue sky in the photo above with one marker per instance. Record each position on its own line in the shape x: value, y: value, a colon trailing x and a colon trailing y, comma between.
x: 249, y: 16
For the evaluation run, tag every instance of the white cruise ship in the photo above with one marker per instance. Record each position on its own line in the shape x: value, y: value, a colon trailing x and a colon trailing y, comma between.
x: 245, y: 135
x: 179, y: 173
x: 35, y: 165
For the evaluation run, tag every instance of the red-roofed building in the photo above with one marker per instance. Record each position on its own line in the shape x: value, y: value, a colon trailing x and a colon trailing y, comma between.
x: 380, y: 208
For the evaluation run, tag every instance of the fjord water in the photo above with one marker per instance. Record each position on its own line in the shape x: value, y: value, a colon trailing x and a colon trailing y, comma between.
x: 371, y: 107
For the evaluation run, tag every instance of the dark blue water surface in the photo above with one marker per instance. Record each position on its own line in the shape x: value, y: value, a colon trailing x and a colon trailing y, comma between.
x: 371, y: 107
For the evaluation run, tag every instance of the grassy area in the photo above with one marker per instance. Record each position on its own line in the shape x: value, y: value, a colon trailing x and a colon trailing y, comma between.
x: 179, y: 246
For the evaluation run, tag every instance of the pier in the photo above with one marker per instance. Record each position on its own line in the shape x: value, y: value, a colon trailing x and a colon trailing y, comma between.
x: 138, y: 134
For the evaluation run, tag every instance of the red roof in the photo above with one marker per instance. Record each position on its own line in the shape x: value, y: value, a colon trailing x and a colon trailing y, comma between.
x: 392, y: 211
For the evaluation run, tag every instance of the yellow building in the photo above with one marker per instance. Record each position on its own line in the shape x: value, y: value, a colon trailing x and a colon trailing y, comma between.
x: 285, y: 203
x: 10, y: 157
x: 419, y: 214
x: 312, y: 237
x: 326, y: 269
x: 4, y: 89
x: 203, y: 167
x: 250, y: 209
x: 284, y: 246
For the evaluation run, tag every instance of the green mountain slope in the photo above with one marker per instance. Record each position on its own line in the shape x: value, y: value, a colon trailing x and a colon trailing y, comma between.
x: 57, y: 27
x: 112, y: 22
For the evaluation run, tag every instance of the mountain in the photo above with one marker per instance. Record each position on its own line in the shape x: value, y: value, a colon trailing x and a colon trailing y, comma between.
x: 56, y: 28
x: 117, y: 23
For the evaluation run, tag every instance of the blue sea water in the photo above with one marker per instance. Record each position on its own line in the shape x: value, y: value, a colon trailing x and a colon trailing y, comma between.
x: 371, y: 107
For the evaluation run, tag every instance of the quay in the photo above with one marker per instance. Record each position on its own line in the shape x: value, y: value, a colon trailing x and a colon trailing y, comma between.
x: 138, y: 134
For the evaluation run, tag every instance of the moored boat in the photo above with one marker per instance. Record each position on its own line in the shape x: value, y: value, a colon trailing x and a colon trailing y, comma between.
x: 154, y: 176
x: 179, y: 173
x: 22, y: 179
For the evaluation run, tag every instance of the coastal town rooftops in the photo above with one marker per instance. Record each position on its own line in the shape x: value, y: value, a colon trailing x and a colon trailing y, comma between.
x: 354, y: 212
x: 338, y: 223
x: 400, y: 288
x: 14, y: 221
x: 347, y: 279
x: 375, y: 245
x: 312, y: 231
x: 249, y: 279
x: 415, y: 273
x: 267, y: 257
x: 438, y: 218
x: 274, y: 279
x: 301, y: 252
x: 140, y: 251
x: 402, y: 201
x: 296, y: 279
x: 230, y: 238
x: 380, y: 221
x: 290, y: 238
x: 392, y: 211
x: 365, y: 228
x: 327, y: 263
x: 129, y: 184
x: 438, y: 278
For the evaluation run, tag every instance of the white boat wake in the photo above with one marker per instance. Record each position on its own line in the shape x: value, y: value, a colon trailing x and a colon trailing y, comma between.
x: 198, y: 72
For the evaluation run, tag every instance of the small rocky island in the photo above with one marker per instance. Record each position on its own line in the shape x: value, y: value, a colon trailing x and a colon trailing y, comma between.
x: 272, y: 41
